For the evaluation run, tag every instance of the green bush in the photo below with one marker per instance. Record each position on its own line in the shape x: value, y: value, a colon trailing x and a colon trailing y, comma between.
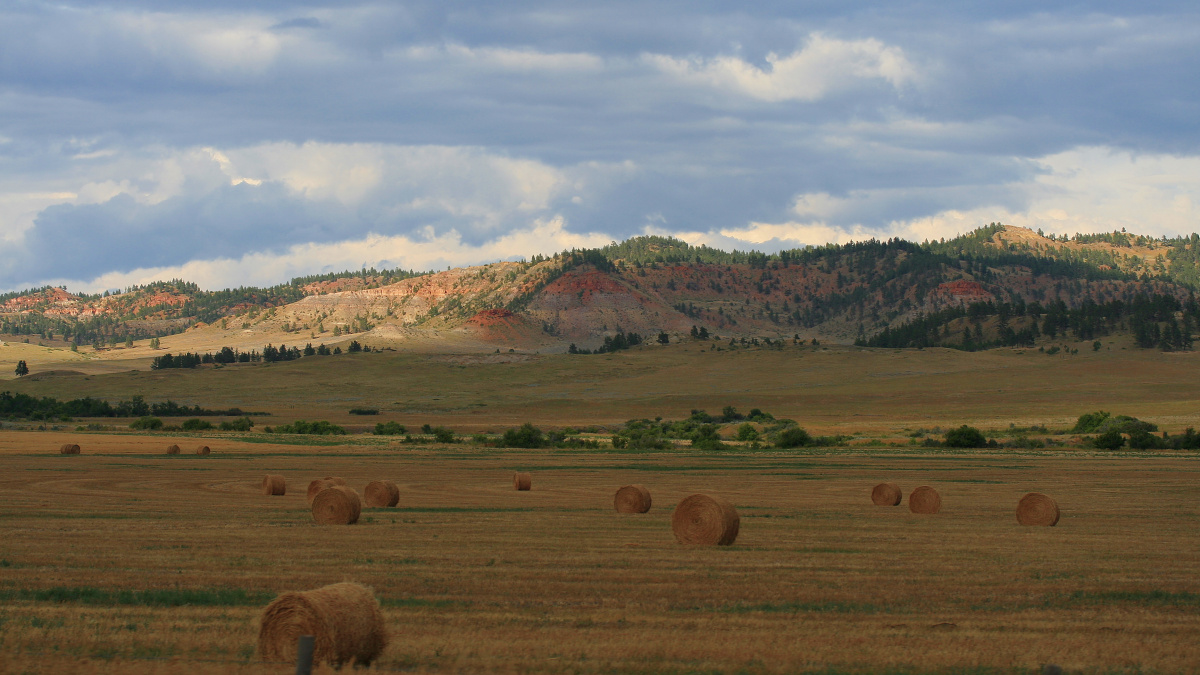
x: 1140, y: 439
x: 792, y: 437
x: 442, y: 435
x: 1109, y: 440
x: 1101, y: 422
x: 240, y: 424
x: 525, y: 436
x: 390, y: 429
x: 364, y: 411
x: 1089, y: 423
x: 321, y: 428
x: 965, y: 437
x: 147, y: 423
x: 747, y: 432
x: 196, y: 424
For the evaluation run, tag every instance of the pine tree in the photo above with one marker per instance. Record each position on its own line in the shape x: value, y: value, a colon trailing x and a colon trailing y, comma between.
x: 22, y: 369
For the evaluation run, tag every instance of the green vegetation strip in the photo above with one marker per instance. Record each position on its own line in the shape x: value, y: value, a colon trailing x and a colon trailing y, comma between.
x: 164, y: 597
x: 1151, y: 598
x: 790, y: 607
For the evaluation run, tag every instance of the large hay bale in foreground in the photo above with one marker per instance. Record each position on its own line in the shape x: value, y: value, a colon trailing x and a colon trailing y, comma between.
x: 336, y: 505
x: 203, y: 450
x: 924, y: 500
x: 1036, y: 508
x: 274, y: 484
x: 344, y: 620
x: 522, y: 481
x: 68, y: 449
x: 632, y: 499
x: 172, y: 449
x: 381, y: 493
x: 887, y: 494
x: 705, y: 520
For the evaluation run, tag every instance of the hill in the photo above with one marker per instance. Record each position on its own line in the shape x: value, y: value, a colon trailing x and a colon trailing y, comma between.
x: 998, y: 285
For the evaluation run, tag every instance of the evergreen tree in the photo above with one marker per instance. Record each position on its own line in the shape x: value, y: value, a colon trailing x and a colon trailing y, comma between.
x: 22, y: 369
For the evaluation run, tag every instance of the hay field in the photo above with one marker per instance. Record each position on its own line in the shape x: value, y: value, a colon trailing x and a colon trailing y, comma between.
x: 96, y: 549
x: 835, y: 390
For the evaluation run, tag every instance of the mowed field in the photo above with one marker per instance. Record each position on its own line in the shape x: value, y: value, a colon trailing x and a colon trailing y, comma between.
x: 125, y: 560
x: 475, y: 577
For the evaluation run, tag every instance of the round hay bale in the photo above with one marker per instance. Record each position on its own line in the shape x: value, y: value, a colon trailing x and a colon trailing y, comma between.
x: 381, y: 493
x: 203, y: 450
x: 632, y: 499
x: 274, y: 484
x: 69, y: 449
x: 705, y: 520
x: 344, y: 620
x: 336, y: 480
x: 336, y: 505
x: 1036, y: 508
x: 522, y: 481
x: 172, y: 449
x: 886, y: 494
x: 924, y: 500
x: 316, y: 486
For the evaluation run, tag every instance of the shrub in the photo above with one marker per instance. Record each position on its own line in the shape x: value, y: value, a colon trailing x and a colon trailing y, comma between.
x: 321, y: 428
x: 965, y: 437
x: 747, y: 432
x: 642, y: 434
x: 240, y: 424
x: 1109, y: 440
x: 196, y: 424
x: 364, y: 411
x: 792, y: 437
x: 1089, y: 423
x: 1140, y: 439
x: 390, y: 429
x: 147, y: 423
x: 442, y: 435
x: 525, y: 436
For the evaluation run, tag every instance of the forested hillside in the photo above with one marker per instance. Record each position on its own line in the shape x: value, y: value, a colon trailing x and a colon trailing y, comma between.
x: 995, y: 286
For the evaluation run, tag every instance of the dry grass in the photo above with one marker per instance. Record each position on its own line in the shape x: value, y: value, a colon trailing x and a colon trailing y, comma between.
x: 819, y: 578
x: 840, y: 390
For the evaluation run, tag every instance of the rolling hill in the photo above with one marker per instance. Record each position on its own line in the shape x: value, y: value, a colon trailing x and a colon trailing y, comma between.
x: 998, y: 285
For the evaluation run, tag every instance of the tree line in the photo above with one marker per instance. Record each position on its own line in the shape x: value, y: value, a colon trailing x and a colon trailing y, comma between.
x: 269, y: 354
x: 29, y: 407
x: 1151, y: 318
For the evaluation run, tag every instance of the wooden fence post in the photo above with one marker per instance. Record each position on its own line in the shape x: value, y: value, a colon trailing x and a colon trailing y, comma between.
x: 304, y: 655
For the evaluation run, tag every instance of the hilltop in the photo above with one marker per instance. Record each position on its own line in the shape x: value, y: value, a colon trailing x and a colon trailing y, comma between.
x: 994, y: 286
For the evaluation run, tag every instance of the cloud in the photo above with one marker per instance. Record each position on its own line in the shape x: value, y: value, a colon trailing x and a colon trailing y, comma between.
x: 1087, y: 189
x: 825, y: 65
x: 209, y: 203
x: 425, y: 250
x: 140, y: 135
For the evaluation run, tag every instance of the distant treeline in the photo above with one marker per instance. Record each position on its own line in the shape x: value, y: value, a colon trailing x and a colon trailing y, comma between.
x: 28, y: 407
x: 269, y: 354
x: 1151, y: 319
x: 612, y: 343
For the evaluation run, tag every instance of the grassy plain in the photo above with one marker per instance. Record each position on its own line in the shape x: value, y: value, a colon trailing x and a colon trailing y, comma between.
x: 125, y: 560
x: 828, y: 390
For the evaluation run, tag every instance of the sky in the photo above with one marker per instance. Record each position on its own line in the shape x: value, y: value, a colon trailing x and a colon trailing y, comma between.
x: 246, y: 143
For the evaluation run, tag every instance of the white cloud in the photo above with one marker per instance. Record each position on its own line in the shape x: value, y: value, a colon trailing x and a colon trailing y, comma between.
x: 500, y: 58
x: 425, y: 252
x: 1087, y: 189
x: 824, y: 65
